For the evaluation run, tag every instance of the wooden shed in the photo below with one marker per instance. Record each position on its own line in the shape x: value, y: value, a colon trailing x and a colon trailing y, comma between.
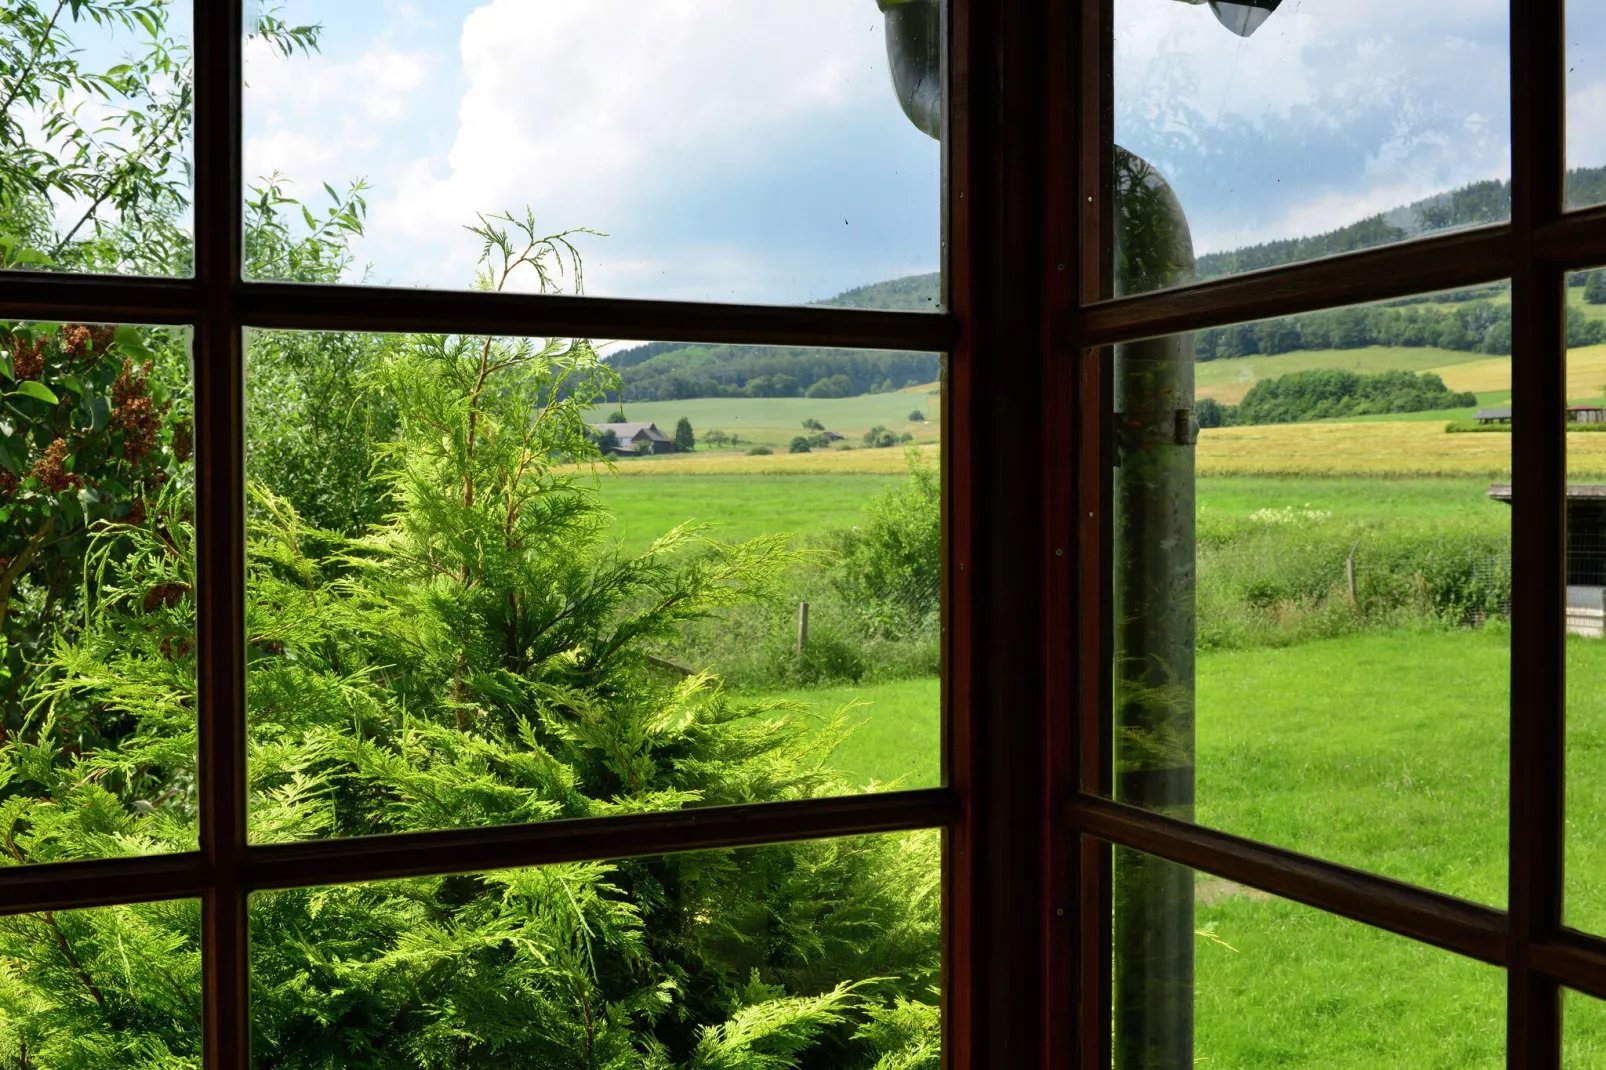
x: 1586, y: 555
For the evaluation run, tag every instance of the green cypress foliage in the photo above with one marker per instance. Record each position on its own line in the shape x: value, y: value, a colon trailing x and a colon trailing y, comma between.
x: 478, y: 656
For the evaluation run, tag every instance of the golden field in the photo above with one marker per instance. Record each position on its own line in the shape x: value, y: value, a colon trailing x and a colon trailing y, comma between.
x: 1400, y: 448
x: 1586, y: 373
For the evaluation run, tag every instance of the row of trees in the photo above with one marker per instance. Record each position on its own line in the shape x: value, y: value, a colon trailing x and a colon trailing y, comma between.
x: 1326, y: 393
x: 440, y: 634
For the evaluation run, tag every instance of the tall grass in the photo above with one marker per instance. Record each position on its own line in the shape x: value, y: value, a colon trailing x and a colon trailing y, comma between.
x: 1278, y: 576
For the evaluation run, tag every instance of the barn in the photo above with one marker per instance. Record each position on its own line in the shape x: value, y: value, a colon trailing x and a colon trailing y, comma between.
x: 1586, y: 555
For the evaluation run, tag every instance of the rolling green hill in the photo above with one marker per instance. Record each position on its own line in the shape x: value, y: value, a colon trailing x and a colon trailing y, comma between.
x: 1462, y: 322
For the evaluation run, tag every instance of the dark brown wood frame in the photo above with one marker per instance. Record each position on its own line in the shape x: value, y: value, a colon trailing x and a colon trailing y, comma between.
x: 1026, y: 682
x: 1534, y: 251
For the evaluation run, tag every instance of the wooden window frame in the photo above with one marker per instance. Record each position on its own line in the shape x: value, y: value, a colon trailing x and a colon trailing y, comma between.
x: 1026, y: 699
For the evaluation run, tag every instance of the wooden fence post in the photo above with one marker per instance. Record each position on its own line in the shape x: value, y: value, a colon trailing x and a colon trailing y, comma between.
x: 802, y: 627
x: 1349, y: 574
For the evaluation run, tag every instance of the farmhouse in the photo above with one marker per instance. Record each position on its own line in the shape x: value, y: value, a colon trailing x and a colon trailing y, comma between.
x: 1586, y: 555
x: 635, y: 439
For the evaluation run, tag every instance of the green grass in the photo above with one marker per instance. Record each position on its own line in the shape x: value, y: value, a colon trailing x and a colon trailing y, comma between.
x: 1349, y: 498
x: 1387, y: 751
x: 776, y: 421
x: 736, y: 508
x: 898, y: 737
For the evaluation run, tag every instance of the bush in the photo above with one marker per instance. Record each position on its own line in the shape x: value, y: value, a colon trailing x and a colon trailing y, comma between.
x: 1210, y: 413
x: 799, y: 445
x: 917, y: 417
x: 760, y: 451
x: 811, y: 424
x: 879, y: 437
x: 1330, y: 392
x: 892, y: 564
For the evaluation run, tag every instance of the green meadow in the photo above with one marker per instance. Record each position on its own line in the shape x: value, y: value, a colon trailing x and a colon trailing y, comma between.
x: 774, y: 422
x: 1386, y: 751
x: 1385, y: 748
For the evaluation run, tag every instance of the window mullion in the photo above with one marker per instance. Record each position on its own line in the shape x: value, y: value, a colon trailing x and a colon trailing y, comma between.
x: 1539, y: 459
x: 220, y: 532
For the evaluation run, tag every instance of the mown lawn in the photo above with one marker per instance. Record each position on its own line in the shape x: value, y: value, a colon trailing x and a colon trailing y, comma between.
x: 737, y: 508
x: 1387, y: 751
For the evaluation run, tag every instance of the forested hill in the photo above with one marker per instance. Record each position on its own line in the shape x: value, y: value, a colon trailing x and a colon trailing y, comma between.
x: 673, y: 370
x: 1481, y: 202
x: 662, y: 371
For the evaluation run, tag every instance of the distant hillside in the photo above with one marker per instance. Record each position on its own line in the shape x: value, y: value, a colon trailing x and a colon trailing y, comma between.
x: 673, y: 370
x: 665, y: 371
x: 1481, y: 202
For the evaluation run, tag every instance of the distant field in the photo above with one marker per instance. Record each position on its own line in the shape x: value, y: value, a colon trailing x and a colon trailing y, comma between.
x: 775, y: 421
x: 1386, y: 449
x: 737, y: 509
x: 1354, y: 497
x: 703, y: 462
x: 1229, y: 380
x: 1586, y: 373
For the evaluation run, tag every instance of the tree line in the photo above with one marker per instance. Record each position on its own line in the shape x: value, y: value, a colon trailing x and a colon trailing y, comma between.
x: 1326, y: 393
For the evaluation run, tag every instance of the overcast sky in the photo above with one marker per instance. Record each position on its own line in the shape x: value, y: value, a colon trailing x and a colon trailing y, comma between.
x: 737, y: 150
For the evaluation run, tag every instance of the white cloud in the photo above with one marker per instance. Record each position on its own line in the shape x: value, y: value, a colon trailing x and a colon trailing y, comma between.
x: 314, y: 114
x: 580, y: 109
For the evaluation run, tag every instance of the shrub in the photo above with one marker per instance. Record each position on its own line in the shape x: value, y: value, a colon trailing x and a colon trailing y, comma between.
x: 892, y: 564
x: 799, y: 444
x: 684, y: 439
x: 760, y: 451
x: 879, y: 437
x: 917, y: 417
x: 811, y: 424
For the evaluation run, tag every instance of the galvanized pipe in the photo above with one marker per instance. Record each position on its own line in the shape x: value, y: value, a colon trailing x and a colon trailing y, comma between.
x: 1153, y: 930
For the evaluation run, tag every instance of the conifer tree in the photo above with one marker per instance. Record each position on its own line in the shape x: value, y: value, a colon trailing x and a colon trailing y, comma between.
x: 477, y: 657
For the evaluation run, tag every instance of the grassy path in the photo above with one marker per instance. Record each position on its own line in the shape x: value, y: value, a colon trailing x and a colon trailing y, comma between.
x: 1386, y: 751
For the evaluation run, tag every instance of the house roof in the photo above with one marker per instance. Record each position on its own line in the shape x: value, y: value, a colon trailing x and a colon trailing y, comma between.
x: 628, y: 432
x: 1492, y: 414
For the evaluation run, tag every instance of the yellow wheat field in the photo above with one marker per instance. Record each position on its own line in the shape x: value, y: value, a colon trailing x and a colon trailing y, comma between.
x: 1401, y: 448
x: 734, y: 463
x: 1586, y: 373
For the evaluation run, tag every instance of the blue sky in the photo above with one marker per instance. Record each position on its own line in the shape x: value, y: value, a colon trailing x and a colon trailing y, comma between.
x: 730, y: 150
x: 735, y: 150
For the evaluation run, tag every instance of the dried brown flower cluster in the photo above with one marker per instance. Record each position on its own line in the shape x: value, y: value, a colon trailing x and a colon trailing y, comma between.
x: 135, y: 413
x: 136, y: 514
x: 183, y: 441
x: 27, y: 360
x: 8, y: 484
x: 80, y: 340
x: 51, y: 469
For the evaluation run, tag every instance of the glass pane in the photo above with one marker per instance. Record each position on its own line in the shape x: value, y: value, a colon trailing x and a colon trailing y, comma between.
x: 1585, y: 369
x: 1583, y: 1038
x: 95, y: 155
x: 97, y: 610
x: 103, y: 989
x: 1295, y: 131
x: 484, y: 589
x: 808, y: 955
x: 1312, y: 601
x: 773, y: 153
x: 1586, y: 104
x: 1212, y: 973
